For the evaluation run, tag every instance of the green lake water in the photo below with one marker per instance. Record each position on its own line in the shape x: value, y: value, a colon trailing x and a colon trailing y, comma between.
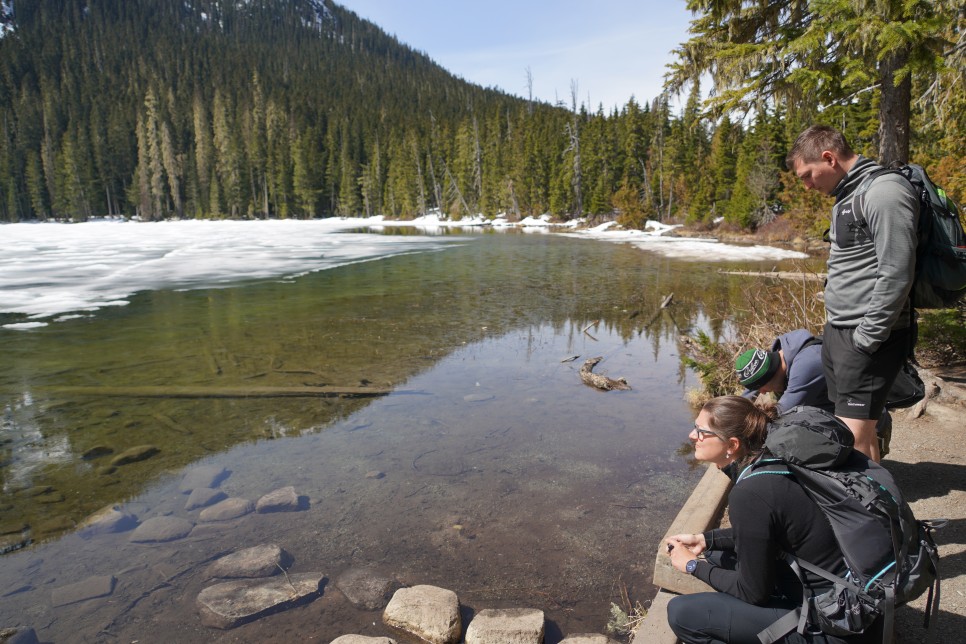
x: 489, y: 469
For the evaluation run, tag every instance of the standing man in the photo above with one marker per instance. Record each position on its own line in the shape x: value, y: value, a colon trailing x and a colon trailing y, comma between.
x: 871, y: 265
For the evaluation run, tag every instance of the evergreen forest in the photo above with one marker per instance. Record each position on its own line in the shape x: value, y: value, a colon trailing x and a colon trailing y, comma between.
x: 299, y: 108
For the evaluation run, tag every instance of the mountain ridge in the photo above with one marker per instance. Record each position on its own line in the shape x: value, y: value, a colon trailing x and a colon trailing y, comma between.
x: 315, y: 64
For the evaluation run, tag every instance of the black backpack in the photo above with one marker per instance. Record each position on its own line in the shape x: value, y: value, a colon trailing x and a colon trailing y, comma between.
x: 891, y: 556
x: 940, y: 280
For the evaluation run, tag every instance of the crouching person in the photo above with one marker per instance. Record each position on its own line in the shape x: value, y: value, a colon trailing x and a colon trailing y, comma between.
x: 768, y: 515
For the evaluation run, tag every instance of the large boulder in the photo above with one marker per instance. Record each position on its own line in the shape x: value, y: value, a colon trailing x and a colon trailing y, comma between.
x: 231, y: 603
x: 506, y: 626
x: 428, y: 613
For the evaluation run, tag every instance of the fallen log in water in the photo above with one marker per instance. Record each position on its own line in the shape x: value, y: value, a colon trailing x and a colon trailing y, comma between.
x: 220, y: 392
x: 596, y: 380
x: 784, y: 275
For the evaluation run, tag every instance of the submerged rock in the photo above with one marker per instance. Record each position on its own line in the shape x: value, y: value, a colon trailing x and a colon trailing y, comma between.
x: 231, y: 603
x: 14, y: 527
x: 202, y: 497
x: 107, y: 520
x: 588, y: 638
x: 18, y: 636
x: 135, y: 454
x: 260, y: 561
x: 10, y: 543
x: 281, y: 500
x: 227, y: 510
x: 429, y: 613
x: 60, y: 523
x: 36, y: 490
x: 366, y: 588
x: 160, y: 529
x: 203, y: 476
x: 474, y: 398
x: 362, y: 639
x: 90, y: 588
x: 96, y: 452
x: 507, y: 626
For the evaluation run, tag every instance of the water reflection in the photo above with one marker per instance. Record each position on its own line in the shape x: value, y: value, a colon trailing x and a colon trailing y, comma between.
x: 492, y: 470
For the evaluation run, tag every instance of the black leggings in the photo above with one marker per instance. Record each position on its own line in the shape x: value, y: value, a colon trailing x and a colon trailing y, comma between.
x: 720, y: 618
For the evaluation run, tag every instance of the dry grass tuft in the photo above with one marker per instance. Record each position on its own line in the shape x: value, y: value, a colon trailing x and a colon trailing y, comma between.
x: 780, y: 306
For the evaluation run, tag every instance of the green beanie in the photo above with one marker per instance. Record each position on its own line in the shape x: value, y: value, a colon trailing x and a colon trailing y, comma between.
x: 755, y: 367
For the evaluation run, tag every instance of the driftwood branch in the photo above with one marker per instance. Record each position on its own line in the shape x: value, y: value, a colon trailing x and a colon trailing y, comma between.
x: 596, y: 380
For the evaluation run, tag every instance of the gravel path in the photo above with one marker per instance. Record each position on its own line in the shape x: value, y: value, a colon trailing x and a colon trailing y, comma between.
x: 928, y: 459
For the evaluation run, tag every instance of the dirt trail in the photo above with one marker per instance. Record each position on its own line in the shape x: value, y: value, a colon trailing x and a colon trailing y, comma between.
x: 928, y: 459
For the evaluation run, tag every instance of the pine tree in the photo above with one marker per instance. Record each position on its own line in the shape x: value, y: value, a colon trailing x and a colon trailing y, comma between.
x: 801, y: 50
x: 228, y: 161
x: 202, y: 158
x: 724, y: 158
x: 172, y: 169
x: 349, y: 202
x: 278, y: 162
x: 305, y: 179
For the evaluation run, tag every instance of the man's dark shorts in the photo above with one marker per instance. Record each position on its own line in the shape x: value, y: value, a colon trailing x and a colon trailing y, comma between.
x: 858, y: 382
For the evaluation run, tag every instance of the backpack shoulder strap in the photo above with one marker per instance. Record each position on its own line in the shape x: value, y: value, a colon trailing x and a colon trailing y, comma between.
x: 792, y: 620
x: 764, y: 466
x: 858, y: 199
x: 815, y: 339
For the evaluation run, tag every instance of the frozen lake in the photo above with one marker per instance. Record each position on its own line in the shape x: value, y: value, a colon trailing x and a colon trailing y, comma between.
x: 488, y: 467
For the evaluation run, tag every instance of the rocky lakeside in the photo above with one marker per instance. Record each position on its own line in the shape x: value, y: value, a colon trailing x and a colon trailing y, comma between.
x: 253, y: 583
x: 249, y: 584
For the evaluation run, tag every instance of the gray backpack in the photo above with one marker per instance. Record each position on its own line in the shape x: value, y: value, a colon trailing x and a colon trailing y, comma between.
x: 891, y: 556
x: 940, y: 280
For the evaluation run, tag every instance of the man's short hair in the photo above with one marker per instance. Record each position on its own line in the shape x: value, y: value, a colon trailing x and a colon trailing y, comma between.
x: 812, y: 142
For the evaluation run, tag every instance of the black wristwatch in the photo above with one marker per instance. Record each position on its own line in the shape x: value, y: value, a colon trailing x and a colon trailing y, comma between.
x: 691, y: 566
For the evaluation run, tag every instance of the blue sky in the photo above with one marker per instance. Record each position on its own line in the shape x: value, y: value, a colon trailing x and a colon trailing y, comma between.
x: 612, y: 48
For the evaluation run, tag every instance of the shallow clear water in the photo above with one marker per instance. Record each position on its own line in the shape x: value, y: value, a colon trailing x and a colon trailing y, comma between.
x: 503, y: 476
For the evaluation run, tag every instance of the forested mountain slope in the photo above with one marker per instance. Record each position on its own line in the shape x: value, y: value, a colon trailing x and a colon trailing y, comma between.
x: 299, y: 108
x: 213, y: 108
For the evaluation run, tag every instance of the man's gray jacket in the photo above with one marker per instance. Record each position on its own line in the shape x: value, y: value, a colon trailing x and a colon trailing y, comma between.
x: 872, y: 261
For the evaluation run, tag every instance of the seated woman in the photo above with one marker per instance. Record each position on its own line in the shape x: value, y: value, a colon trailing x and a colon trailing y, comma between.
x: 768, y: 514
